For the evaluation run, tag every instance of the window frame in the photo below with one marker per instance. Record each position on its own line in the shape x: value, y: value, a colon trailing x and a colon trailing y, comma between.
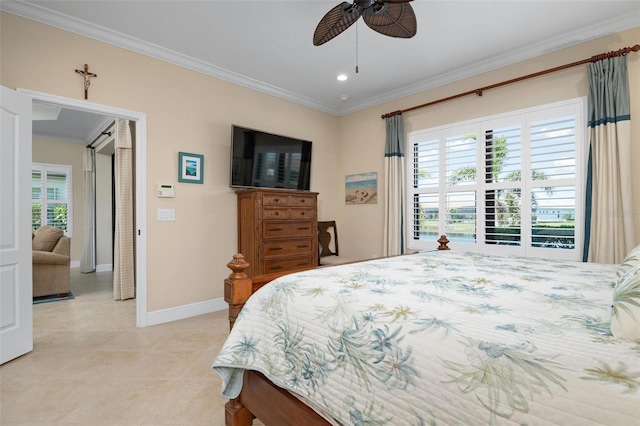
x: 44, y: 169
x: 524, y: 118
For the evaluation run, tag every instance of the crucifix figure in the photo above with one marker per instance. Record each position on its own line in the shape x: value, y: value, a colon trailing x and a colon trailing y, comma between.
x: 87, y: 75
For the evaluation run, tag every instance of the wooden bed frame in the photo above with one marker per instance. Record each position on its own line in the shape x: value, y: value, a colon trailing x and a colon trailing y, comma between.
x: 259, y: 397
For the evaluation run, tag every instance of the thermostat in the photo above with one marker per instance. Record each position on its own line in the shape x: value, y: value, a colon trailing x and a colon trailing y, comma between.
x: 166, y: 191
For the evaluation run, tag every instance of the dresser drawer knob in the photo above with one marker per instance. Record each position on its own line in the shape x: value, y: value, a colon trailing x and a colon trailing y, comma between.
x: 303, y: 228
x: 275, y: 229
x: 303, y: 246
x: 276, y: 248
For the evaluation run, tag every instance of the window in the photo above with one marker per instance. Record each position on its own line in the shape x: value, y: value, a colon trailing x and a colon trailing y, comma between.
x: 507, y: 184
x: 51, y: 191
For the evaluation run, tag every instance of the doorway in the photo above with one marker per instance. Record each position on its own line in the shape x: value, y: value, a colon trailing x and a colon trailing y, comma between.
x: 140, y: 120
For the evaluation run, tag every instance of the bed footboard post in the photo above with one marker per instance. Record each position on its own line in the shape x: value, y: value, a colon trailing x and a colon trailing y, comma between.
x: 235, y: 414
x: 237, y: 288
x: 443, y: 240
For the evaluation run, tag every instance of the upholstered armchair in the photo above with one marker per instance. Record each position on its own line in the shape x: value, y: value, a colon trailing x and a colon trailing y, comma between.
x: 51, y: 261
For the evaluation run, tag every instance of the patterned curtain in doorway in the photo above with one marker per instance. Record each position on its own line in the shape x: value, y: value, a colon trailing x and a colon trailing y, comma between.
x: 609, y: 227
x: 88, y: 258
x: 123, y: 256
x: 395, y: 192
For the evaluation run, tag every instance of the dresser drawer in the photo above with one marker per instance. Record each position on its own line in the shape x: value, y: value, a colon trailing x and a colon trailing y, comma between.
x: 285, y: 213
x: 302, y: 200
x: 276, y: 213
x: 276, y: 229
x: 288, y: 264
x: 288, y: 200
x: 302, y: 213
x: 277, y: 248
x: 275, y: 200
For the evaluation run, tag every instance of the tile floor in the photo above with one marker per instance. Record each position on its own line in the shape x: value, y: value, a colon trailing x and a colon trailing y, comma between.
x: 92, y: 366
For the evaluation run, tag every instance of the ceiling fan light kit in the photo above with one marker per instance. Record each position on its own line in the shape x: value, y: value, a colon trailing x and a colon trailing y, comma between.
x: 393, y: 18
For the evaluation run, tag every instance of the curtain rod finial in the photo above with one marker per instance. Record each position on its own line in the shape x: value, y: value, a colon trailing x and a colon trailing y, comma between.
x: 391, y: 114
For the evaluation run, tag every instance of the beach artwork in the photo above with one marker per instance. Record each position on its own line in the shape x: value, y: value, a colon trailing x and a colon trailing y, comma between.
x: 190, y: 167
x: 361, y: 188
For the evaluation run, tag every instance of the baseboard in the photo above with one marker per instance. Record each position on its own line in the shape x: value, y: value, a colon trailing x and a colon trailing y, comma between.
x: 104, y: 268
x: 186, y: 311
x: 108, y: 267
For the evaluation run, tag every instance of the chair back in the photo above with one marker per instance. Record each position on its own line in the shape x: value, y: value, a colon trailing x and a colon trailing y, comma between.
x: 327, y: 238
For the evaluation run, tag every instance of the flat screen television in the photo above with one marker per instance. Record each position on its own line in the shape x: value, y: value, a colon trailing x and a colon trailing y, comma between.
x: 264, y: 160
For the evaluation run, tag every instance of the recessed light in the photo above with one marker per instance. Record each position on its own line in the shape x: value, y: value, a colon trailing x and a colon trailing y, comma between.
x: 344, y: 98
x: 342, y: 77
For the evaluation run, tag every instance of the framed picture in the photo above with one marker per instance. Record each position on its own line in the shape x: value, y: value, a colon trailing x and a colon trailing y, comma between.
x: 361, y: 188
x: 190, y: 167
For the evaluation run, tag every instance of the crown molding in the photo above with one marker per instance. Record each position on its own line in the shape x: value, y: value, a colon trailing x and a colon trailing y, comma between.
x: 103, y: 34
x: 118, y: 39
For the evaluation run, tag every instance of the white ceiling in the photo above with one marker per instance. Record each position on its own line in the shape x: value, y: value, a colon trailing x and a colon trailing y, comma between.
x: 71, y: 125
x: 267, y: 45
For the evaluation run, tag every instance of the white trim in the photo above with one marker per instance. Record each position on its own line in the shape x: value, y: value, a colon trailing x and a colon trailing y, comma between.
x: 141, y: 182
x: 186, y: 311
x: 521, y: 53
x: 522, y: 119
x: 116, y: 38
x: 108, y: 267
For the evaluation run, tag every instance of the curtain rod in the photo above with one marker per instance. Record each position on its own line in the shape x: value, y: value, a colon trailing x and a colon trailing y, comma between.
x: 106, y: 132
x: 621, y: 52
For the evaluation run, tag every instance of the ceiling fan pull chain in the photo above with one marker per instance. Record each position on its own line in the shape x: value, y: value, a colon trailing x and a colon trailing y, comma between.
x: 356, y: 47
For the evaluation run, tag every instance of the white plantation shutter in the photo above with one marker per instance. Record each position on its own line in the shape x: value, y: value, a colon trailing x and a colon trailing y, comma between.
x: 553, y: 147
x: 51, y: 195
x: 460, y: 200
x: 503, y: 185
x: 425, y: 179
x: 508, y: 184
x: 461, y: 216
x: 555, y: 181
x: 460, y: 155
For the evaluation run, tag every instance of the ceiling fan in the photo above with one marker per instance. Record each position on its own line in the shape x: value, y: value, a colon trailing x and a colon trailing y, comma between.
x: 393, y: 18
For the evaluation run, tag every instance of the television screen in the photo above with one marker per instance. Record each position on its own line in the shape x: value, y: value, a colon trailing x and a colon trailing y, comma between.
x: 264, y: 160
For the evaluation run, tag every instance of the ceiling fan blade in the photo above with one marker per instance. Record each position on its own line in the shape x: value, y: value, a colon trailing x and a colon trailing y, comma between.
x: 334, y: 22
x: 393, y: 19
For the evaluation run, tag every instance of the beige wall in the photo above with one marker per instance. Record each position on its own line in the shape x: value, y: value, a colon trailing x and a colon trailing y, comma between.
x: 186, y: 111
x: 191, y: 112
x: 51, y: 151
x: 361, y: 225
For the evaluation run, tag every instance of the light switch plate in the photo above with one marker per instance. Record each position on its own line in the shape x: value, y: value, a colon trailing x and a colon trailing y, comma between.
x: 166, y: 215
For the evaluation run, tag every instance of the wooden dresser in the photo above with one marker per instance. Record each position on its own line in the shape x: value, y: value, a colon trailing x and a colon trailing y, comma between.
x: 277, y: 229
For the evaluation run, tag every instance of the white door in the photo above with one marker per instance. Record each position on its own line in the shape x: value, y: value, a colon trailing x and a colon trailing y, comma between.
x: 16, y: 309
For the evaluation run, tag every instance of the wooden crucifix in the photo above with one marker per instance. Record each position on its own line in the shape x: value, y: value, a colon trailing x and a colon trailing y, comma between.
x: 86, y: 75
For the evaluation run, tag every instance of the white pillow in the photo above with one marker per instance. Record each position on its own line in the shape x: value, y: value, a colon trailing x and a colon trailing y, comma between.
x: 625, y: 317
x: 630, y: 261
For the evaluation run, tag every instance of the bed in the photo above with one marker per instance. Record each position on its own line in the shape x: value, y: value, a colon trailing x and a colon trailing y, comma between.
x: 441, y: 337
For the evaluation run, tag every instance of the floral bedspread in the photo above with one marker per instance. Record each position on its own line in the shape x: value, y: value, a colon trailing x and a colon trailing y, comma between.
x: 442, y: 338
